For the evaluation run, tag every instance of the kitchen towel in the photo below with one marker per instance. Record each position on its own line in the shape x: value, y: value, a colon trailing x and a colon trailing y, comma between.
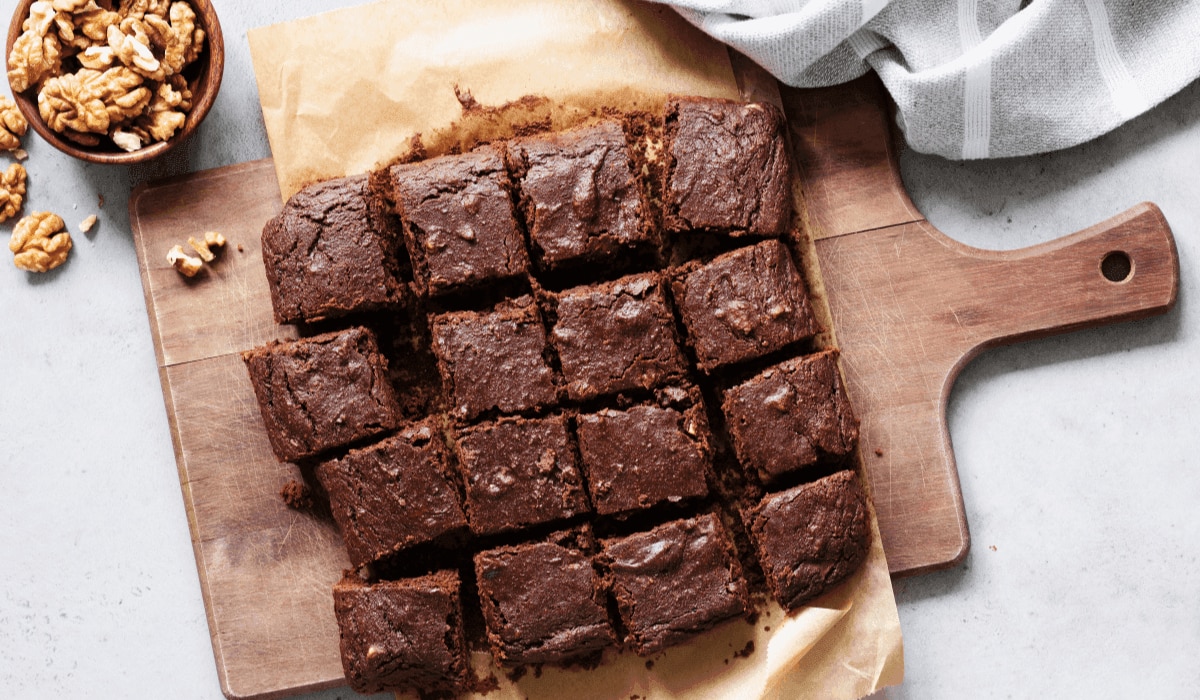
x: 976, y: 78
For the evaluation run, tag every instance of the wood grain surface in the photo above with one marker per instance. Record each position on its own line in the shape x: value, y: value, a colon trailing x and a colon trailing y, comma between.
x: 910, y: 308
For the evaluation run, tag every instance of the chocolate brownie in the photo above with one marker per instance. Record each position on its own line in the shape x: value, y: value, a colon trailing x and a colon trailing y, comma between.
x: 543, y: 601
x: 494, y: 360
x: 743, y: 305
x: 394, y: 494
x: 727, y: 168
x: 519, y: 472
x: 675, y: 581
x: 616, y: 336
x: 790, y: 416
x: 642, y: 456
x: 404, y: 635
x: 579, y: 195
x: 333, y: 250
x: 459, y: 223
x: 322, y: 392
x: 811, y: 537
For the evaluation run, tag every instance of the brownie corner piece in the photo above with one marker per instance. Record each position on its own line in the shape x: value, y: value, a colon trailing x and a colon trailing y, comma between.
x: 494, y: 360
x: 727, y: 167
x: 811, y: 537
x: 394, y: 495
x: 458, y: 220
x: 675, y: 581
x: 519, y: 472
x: 791, y: 416
x: 333, y: 250
x: 579, y: 195
x: 643, y: 456
x: 322, y: 392
x: 616, y: 336
x: 743, y: 304
x: 404, y: 635
x: 543, y: 602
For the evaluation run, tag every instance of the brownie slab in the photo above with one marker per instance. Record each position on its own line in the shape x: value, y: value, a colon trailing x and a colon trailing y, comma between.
x: 616, y: 336
x: 322, y: 392
x: 727, y: 168
x: 579, y: 195
x: 333, y: 250
x: 811, y: 537
x: 494, y: 360
x: 642, y: 456
x: 675, y: 581
x: 743, y: 304
x: 542, y: 602
x: 394, y: 494
x: 404, y: 635
x: 519, y: 472
x: 791, y: 416
x: 458, y: 218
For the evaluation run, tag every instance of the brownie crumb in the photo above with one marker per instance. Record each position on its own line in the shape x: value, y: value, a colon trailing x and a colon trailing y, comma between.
x: 297, y: 495
x: 649, y: 664
x: 745, y: 651
x: 516, y: 673
x: 878, y: 452
x: 484, y: 686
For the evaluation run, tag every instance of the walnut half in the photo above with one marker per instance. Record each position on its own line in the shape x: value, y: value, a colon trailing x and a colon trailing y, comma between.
x: 40, y: 242
x: 12, y: 191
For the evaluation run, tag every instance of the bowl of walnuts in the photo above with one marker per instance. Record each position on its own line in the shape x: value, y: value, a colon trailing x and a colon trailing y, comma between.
x: 115, y: 81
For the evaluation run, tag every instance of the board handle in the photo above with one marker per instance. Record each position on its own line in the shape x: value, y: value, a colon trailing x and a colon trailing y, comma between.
x: 1121, y: 269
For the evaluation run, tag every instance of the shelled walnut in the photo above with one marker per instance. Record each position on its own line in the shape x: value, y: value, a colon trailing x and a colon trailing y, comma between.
x: 108, y: 69
x: 12, y: 124
x: 12, y: 191
x: 40, y: 242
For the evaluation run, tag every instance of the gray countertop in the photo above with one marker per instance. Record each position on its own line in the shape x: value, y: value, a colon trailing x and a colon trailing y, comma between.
x: 1077, y: 454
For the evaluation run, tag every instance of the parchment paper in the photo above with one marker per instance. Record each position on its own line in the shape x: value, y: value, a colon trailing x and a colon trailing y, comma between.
x: 346, y: 91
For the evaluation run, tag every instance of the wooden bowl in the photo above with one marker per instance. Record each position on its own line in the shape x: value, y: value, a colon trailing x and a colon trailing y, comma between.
x: 203, y: 76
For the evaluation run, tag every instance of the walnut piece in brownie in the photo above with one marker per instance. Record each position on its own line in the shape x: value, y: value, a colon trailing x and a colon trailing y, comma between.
x: 494, y: 360
x: 616, y: 336
x: 459, y: 223
x: 744, y: 304
x: 333, y: 250
x: 394, y: 494
x: 642, y: 456
x: 727, y: 168
x: 791, y: 416
x: 404, y: 635
x: 543, y: 601
x: 519, y: 472
x: 579, y: 195
x: 322, y: 392
x: 811, y: 537
x: 675, y: 581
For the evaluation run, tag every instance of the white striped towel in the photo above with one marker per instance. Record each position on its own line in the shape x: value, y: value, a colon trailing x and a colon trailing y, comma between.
x: 976, y: 78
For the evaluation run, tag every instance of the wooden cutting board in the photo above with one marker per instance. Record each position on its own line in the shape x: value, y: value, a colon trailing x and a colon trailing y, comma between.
x: 910, y: 308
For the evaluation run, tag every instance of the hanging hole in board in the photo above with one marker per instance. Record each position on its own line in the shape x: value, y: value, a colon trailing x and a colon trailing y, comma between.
x: 1116, y: 266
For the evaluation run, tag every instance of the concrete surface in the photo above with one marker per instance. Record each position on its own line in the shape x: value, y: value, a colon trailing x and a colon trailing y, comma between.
x: 1077, y: 454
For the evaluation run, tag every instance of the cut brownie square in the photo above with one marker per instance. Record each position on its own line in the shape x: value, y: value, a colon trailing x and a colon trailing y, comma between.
x: 727, y: 168
x: 811, y: 537
x: 790, y: 416
x: 616, y: 336
x: 642, y: 456
x: 675, y: 581
x: 393, y: 495
x: 743, y: 305
x: 519, y: 472
x: 322, y: 392
x: 579, y: 195
x: 404, y: 635
x: 333, y: 250
x: 459, y: 224
x: 543, y: 601
x: 494, y: 360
